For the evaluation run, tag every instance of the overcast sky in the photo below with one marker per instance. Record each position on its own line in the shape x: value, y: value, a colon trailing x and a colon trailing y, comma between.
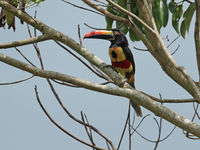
x: 23, y: 125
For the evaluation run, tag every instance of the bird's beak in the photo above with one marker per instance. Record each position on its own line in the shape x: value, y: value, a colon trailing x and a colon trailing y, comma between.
x: 100, y: 34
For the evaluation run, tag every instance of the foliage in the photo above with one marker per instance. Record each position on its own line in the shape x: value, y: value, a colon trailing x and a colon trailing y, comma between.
x: 37, y: 1
x: 8, y: 18
x: 161, y: 10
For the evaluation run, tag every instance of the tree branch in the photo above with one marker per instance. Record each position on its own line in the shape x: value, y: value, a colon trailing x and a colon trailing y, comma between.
x: 40, y: 38
x: 60, y: 127
x: 157, y: 49
x: 164, y: 58
x: 132, y: 15
x: 138, y: 97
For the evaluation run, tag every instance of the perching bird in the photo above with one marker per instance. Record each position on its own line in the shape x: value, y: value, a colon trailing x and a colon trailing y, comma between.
x: 121, y: 57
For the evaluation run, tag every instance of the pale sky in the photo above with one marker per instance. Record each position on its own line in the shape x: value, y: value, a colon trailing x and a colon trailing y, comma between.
x: 25, y: 126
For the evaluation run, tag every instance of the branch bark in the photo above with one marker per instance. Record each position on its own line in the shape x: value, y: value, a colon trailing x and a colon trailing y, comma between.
x: 157, y: 49
x: 138, y: 97
x: 135, y: 95
x: 40, y: 38
x: 164, y: 58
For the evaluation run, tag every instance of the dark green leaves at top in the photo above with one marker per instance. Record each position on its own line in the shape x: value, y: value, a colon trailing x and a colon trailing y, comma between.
x: 187, y: 17
x: 109, y: 21
x: 177, y: 13
x: 123, y: 28
x: 160, y: 13
x: 160, y: 9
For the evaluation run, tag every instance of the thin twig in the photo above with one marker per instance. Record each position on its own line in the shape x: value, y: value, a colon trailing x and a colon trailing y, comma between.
x: 175, y: 50
x: 40, y: 38
x: 129, y: 127
x: 94, y: 28
x: 89, y: 132
x: 60, y: 127
x: 16, y: 82
x: 125, y: 125
x: 36, y: 48
x: 140, y: 49
x: 80, y: 7
x: 24, y: 56
x: 66, y: 84
x: 84, y: 63
x: 159, y: 132
x: 139, y: 123
x: 173, y: 41
x: 75, y: 119
x: 79, y: 35
x: 195, y: 112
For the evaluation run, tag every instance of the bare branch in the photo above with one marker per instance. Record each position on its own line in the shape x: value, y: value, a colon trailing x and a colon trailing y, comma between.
x: 173, y: 41
x: 61, y: 128
x: 40, y: 38
x: 166, y: 61
x: 66, y: 84
x: 16, y: 82
x: 80, y: 7
x: 137, y: 96
x: 89, y: 132
x: 84, y: 63
x: 125, y: 126
x: 159, y: 133
x: 77, y: 120
x: 24, y: 56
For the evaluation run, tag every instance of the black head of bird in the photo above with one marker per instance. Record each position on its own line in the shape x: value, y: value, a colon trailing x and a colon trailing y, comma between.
x: 116, y: 37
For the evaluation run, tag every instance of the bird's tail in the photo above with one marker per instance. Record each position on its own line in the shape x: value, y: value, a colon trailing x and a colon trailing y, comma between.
x: 137, y: 108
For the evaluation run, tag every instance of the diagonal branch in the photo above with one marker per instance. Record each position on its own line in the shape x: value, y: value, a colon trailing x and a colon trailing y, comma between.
x: 40, y: 38
x: 60, y: 127
x: 138, y: 97
x: 132, y: 15
x: 157, y: 49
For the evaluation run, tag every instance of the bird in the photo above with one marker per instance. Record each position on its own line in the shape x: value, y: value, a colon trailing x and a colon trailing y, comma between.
x: 121, y: 57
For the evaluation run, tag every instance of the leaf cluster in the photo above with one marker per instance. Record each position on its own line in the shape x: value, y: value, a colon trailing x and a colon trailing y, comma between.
x: 160, y: 10
x: 8, y: 18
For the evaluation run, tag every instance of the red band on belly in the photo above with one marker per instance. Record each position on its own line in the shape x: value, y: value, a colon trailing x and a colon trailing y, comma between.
x: 122, y: 64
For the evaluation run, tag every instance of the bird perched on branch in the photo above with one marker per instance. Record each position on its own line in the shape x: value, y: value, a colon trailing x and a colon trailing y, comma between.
x: 121, y: 57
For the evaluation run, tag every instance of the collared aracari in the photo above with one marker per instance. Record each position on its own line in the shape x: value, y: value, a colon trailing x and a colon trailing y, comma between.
x: 121, y: 57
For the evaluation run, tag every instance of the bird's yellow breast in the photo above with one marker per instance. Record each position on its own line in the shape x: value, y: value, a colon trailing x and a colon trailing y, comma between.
x: 116, y: 54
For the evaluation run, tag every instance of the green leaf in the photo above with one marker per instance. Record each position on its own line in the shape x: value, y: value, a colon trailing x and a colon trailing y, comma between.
x: 109, y: 23
x: 176, y: 17
x: 172, y: 7
x: 122, y: 3
x: 156, y: 14
x: 175, y: 23
x: 123, y: 28
x: 188, y: 14
x: 178, y: 11
x: 14, y: 2
x: 187, y: 17
x: 9, y: 18
x: 183, y: 29
x: 164, y: 13
x: 134, y: 8
x: 133, y: 36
